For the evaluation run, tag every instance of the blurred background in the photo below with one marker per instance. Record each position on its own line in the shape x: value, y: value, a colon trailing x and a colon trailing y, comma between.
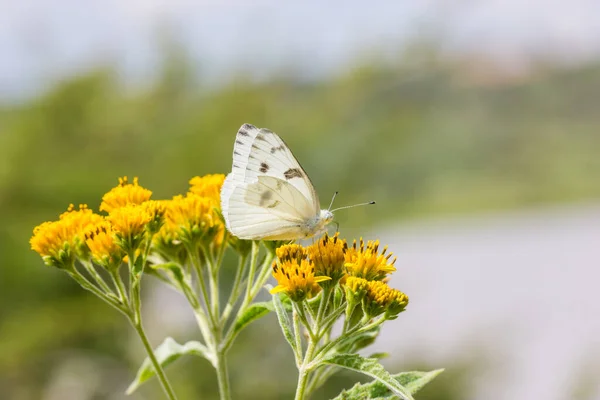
x: 474, y: 124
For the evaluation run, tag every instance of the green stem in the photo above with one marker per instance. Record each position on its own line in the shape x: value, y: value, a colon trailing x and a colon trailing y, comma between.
x: 304, y: 372
x: 233, y: 296
x: 160, y: 373
x: 213, y: 283
x: 118, y: 282
x: 196, y: 264
x: 89, y: 267
x: 311, y: 350
x: 332, y: 318
x: 321, y: 311
x: 302, y: 314
x: 263, y: 275
x: 297, y: 334
x: 319, y: 377
x: 199, y: 313
x: 308, y: 309
x: 215, y: 334
x: 136, y: 321
x: 222, y: 374
x: 89, y: 286
x: 349, y: 335
x: 253, y: 262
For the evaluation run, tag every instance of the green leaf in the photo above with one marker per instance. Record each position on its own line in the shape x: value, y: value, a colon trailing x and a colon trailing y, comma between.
x: 355, y: 342
x: 366, y: 339
x: 412, y: 382
x: 379, y: 356
x: 370, y: 367
x: 284, y: 322
x: 166, y: 353
x: 175, y: 272
x: 416, y: 380
x: 138, y: 266
x: 252, y: 313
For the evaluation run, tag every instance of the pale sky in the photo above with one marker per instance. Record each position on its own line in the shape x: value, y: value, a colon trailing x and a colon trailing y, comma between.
x: 44, y: 40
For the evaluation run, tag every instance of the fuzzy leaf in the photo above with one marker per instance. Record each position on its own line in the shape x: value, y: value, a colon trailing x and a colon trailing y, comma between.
x: 370, y: 367
x: 379, y: 356
x: 252, y: 313
x: 166, y: 353
x: 175, y: 272
x: 354, y: 343
x: 138, y: 266
x: 416, y: 380
x: 412, y: 382
x: 284, y: 322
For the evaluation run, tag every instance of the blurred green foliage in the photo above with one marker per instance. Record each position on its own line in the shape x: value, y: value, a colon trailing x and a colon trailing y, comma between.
x: 420, y: 138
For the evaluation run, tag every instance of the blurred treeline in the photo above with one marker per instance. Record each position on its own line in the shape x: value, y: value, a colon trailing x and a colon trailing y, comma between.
x: 421, y: 137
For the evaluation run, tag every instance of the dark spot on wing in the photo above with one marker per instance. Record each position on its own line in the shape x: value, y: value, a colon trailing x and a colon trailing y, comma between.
x: 277, y: 148
x: 265, y: 130
x: 292, y: 173
x: 264, y: 167
x: 265, y: 197
x: 274, y: 204
x: 254, y: 146
x: 251, y: 156
x: 260, y: 137
x: 247, y: 127
x: 237, y: 153
x: 243, y: 132
x: 235, y: 166
x: 239, y: 142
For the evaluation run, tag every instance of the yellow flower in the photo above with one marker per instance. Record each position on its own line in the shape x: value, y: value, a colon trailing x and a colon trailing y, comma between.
x: 58, y: 242
x: 129, y: 223
x: 367, y: 263
x: 355, y: 288
x: 100, y: 239
x: 297, y: 279
x: 208, y: 186
x: 192, y: 217
x: 123, y: 194
x: 290, y: 252
x: 55, y: 242
x: 381, y: 298
x: 328, y: 257
x: 157, y: 210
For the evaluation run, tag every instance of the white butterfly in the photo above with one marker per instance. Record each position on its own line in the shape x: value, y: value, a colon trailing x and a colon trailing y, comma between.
x: 268, y: 195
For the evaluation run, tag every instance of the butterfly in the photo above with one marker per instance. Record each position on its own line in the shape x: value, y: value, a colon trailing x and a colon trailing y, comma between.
x: 268, y: 195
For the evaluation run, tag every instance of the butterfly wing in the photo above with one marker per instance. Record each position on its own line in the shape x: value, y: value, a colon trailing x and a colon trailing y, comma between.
x: 259, y: 211
x: 268, y: 195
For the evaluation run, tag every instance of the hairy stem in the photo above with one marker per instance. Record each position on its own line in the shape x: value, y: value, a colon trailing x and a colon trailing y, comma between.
x: 235, y: 290
x: 222, y: 374
x: 160, y: 373
x: 203, y: 289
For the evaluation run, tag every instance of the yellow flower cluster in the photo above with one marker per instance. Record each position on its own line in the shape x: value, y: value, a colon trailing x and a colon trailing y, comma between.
x: 194, y: 217
x: 360, y: 268
x: 377, y: 297
x: 100, y: 239
x: 208, y: 186
x: 132, y: 219
x: 366, y: 262
x: 328, y: 255
x: 59, y: 242
x: 124, y: 194
x: 296, y: 278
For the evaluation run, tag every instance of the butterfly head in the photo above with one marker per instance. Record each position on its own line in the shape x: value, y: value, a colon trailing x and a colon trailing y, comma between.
x: 326, y: 217
x: 317, y: 224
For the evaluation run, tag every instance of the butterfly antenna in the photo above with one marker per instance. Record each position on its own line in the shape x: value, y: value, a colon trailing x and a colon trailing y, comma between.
x: 354, y: 205
x: 332, y: 199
